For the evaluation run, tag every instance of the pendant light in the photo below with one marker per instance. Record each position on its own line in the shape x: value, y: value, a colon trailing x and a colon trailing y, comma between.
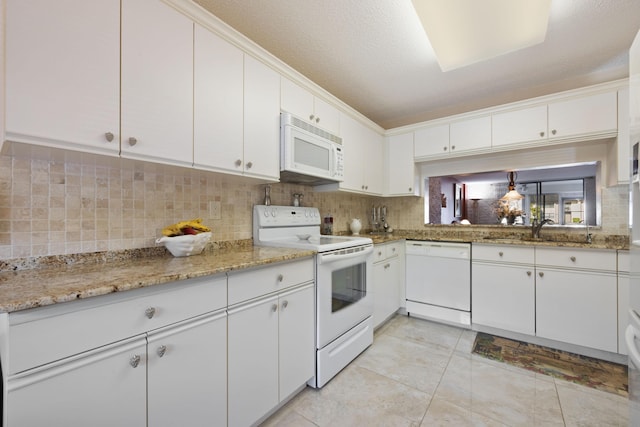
x: 512, y: 194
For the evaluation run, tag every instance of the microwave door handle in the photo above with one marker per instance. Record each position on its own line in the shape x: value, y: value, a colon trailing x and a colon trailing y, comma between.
x: 335, y: 161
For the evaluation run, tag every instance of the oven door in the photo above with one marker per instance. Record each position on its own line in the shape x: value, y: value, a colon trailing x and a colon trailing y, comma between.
x: 344, y: 296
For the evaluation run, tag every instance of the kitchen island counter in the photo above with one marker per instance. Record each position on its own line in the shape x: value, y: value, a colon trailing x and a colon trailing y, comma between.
x: 64, y: 279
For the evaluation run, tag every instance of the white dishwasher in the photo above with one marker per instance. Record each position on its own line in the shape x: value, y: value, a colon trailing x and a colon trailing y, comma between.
x: 438, y: 281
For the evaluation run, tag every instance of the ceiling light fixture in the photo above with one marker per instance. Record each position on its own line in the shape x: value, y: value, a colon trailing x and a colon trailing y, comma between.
x: 512, y: 194
x: 463, y: 32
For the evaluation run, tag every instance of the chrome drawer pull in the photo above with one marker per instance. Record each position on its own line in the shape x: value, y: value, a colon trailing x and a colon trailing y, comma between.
x: 150, y: 312
x: 134, y: 361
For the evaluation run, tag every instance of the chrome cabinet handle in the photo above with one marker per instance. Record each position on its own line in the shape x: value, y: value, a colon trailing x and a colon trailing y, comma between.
x: 445, y: 148
x: 500, y: 253
x: 573, y: 259
x: 150, y: 312
x: 541, y: 274
x: 274, y: 308
x: 249, y: 164
x: 311, y: 117
x: 410, y: 189
x: 529, y: 273
x: 541, y: 134
x: 161, y: 350
x: 280, y: 277
x: 132, y: 141
x: 453, y: 147
x: 553, y: 132
x: 134, y: 361
x: 238, y: 162
x: 285, y: 303
x: 108, y: 136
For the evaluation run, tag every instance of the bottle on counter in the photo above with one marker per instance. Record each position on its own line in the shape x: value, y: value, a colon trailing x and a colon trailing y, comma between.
x: 328, y: 224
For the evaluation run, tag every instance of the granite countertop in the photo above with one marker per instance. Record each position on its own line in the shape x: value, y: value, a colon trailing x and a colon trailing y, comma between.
x: 61, y: 282
x: 504, y: 237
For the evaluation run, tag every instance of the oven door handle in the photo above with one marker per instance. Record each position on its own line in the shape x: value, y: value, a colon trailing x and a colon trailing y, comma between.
x: 337, y: 256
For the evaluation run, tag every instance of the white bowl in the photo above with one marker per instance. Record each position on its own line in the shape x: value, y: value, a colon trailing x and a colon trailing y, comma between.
x: 189, y: 244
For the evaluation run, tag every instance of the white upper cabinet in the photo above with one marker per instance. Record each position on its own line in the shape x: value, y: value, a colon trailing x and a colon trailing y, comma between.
x: 362, y: 158
x: 431, y: 141
x: 157, y: 83
x: 520, y: 126
x: 470, y: 135
x: 261, y: 120
x: 453, y: 139
x: 304, y: 105
x: 63, y: 74
x: 400, y: 173
x: 594, y: 115
x: 218, y: 103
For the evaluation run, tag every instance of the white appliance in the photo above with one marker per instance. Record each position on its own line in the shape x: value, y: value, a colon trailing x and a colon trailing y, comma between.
x: 438, y: 277
x: 309, y: 155
x: 344, y: 267
x: 632, y: 333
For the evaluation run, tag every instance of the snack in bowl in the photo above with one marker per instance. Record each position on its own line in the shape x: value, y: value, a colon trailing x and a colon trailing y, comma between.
x: 186, y: 237
x: 185, y: 245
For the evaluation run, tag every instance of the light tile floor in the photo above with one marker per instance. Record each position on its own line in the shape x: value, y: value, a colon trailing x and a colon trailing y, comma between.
x: 421, y: 373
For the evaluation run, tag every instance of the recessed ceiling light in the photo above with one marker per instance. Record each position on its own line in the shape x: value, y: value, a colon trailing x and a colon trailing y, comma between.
x: 463, y: 32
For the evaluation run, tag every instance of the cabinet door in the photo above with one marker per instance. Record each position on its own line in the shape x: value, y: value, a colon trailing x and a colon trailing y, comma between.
x: 379, y: 285
x: 577, y: 308
x: 470, y: 135
x: 521, y: 126
x: 303, y: 104
x: 431, y: 141
x: 187, y: 373
x: 296, y: 100
x: 63, y: 73
x: 372, y: 157
x: 353, y: 139
x: 261, y: 120
x: 401, y: 177
x: 503, y: 297
x: 590, y: 115
x: 327, y: 116
x: 297, y: 339
x: 252, y: 361
x: 97, y: 388
x: 157, y: 82
x: 218, y: 109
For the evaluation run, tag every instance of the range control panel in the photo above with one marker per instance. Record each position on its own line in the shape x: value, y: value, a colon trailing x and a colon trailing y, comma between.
x: 285, y: 216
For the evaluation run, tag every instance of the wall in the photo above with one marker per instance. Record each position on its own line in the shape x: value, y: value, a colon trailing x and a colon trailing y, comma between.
x: 54, y: 202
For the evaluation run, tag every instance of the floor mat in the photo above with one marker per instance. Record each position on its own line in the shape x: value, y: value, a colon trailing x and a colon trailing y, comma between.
x: 595, y: 373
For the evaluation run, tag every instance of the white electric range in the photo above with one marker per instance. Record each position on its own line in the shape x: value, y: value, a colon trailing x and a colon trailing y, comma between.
x: 344, y: 267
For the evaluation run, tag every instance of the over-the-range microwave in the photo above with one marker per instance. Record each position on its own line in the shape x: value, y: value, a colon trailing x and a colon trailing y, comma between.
x: 309, y: 155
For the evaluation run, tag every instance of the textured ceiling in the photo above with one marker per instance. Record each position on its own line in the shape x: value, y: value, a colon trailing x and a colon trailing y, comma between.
x: 375, y: 56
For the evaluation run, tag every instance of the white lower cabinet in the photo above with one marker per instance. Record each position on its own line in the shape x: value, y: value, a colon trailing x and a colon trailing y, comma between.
x: 503, y: 297
x: 577, y: 308
x: 187, y: 373
x: 104, y: 387
x: 253, y: 361
x: 271, y: 352
x: 568, y: 295
x: 271, y: 349
x: 387, y: 281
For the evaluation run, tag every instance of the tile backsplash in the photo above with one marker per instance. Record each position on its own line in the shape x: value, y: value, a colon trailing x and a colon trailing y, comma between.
x: 71, y: 203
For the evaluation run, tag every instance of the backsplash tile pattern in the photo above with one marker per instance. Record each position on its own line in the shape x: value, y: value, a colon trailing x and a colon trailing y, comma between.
x: 84, y: 203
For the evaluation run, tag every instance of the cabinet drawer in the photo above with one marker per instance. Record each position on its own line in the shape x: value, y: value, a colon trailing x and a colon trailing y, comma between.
x: 379, y: 253
x: 589, y: 259
x: 508, y: 254
x: 46, y: 334
x: 394, y: 249
x: 254, y: 283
